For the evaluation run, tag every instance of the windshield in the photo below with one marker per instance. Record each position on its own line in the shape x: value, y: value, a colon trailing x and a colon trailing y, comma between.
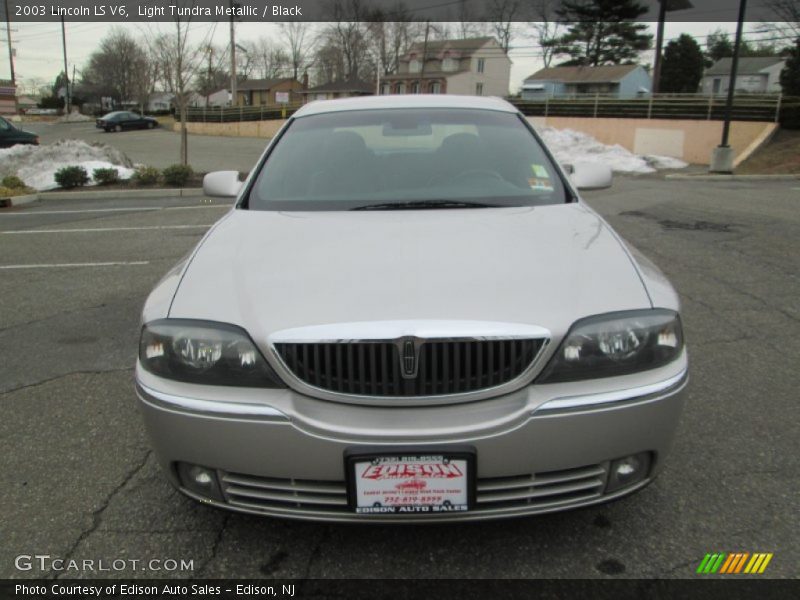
x: 406, y: 158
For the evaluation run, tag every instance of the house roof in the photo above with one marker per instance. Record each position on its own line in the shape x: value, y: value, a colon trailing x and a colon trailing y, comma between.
x: 260, y: 84
x: 748, y: 65
x: 349, y: 85
x: 600, y: 74
x: 465, y: 47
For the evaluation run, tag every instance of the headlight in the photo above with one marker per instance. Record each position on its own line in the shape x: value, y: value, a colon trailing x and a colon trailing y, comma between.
x: 204, y: 352
x: 616, y: 344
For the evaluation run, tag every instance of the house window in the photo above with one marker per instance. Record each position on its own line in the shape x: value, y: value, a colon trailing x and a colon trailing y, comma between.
x: 414, y: 65
x: 401, y: 88
x: 481, y: 65
x: 449, y: 64
x: 436, y: 87
x: 479, y: 89
x: 386, y: 89
x: 415, y: 87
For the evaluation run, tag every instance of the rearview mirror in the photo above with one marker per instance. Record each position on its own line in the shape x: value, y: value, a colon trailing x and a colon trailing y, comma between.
x: 589, y: 176
x: 223, y: 184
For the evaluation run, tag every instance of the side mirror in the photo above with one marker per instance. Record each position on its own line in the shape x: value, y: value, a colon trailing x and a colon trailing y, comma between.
x: 224, y: 184
x: 589, y: 176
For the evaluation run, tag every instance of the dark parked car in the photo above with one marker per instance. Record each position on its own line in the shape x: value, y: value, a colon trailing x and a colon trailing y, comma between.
x: 11, y: 135
x: 121, y: 119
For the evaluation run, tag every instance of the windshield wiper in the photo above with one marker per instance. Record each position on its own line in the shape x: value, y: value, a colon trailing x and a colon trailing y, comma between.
x: 422, y: 204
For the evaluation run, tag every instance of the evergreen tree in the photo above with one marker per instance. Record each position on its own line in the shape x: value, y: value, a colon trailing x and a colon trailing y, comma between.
x: 682, y: 67
x: 790, y: 76
x: 602, y: 32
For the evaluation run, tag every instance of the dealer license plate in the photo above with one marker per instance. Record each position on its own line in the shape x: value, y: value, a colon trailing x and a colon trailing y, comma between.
x: 436, y: 483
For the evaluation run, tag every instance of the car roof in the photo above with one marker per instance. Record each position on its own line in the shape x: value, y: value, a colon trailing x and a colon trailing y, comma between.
x: 405, y: 101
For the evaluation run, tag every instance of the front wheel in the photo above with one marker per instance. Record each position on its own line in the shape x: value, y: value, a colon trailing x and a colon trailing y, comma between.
x: 118, y: 128
x: 151, y: 125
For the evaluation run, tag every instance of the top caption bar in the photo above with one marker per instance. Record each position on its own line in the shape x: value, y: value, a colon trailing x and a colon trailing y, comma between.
x: 120, y: 11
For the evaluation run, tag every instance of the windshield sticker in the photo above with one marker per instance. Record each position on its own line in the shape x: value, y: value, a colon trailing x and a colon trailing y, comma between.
x: 540, y: 171
x: 540, y: 184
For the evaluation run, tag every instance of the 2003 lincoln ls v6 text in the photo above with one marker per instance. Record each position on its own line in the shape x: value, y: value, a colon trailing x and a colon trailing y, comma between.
x: 410, y: 315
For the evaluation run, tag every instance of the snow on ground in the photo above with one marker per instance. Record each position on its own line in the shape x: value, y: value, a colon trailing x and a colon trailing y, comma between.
x: 36, y: 165
x: 571, y: 146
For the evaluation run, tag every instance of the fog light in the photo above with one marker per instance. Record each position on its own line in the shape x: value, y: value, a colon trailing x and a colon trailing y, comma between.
x: 200, y: 480
x: 627, y: 471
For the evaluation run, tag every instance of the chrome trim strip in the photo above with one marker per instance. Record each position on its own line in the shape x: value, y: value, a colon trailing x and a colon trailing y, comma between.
x: 421, y: 330
x: 387, y: 331
x: 637, y: 393
x: 170, y: 401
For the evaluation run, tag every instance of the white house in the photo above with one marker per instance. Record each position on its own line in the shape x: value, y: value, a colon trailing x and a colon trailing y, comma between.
x: 476, y: 66
x: 755, y: 74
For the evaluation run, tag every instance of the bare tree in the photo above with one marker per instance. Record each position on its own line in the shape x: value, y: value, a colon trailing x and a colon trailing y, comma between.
x: 546, y: 27
x: 389, y: 35
x: 787, y: 13
x: 347, y: 32
x: 467, y: 25
x: 180, y: 61
x: 503, y: 14
x: 119, y: 69
x: 271, y: 60
x: 297, y: 35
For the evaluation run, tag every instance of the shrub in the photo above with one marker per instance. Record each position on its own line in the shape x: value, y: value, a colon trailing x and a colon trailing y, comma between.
x: 106, y: 176
x: 146, y: 175
x: 13, y: 182
x: 8, y: 192
x: 71, y: 177
x: 177, y: 175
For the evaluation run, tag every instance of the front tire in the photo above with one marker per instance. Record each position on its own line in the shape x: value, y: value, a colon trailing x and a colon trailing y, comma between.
x: 151, y: 125
x: 118, y: 128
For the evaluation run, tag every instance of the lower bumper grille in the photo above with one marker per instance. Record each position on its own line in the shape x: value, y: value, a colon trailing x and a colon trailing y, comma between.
x: 297, y: 496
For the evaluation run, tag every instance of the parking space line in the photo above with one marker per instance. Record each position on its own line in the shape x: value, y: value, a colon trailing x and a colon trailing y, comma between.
x: 67, y: 265
x: 102, y: 210
x: 105, y: 229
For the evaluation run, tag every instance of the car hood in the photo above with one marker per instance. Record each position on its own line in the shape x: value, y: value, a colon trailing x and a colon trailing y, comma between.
x: 545, y: 266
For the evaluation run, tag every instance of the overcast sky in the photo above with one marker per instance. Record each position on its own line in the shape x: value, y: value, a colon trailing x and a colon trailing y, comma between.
x: 39, y: 55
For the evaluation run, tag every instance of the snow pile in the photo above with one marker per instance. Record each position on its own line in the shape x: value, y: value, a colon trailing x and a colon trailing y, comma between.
x: 74, y: 117
x: 571, y: 146
x: 36, y: 165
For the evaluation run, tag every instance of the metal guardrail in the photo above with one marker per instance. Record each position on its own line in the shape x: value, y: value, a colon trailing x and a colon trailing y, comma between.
x: 234, y: 114
x: 746, y: 107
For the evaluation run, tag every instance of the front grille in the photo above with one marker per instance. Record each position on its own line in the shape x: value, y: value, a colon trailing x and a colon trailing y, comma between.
x: 376, y: 368
x: 541, y: 491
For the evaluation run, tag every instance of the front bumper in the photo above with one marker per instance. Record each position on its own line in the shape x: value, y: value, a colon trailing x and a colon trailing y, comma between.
x: 541, y: 449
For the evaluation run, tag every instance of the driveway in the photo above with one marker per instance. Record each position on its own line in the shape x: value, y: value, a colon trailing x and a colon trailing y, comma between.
x: 79, y: 481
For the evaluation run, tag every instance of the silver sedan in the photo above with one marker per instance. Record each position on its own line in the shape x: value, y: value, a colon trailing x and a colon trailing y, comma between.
x: 409, y: 314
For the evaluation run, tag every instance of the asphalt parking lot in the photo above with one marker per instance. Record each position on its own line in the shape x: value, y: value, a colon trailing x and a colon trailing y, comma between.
x: 79, y: 481
x: 160, y: 147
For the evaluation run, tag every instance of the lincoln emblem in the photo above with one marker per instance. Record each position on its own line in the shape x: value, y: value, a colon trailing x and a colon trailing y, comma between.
x: 409, y: 358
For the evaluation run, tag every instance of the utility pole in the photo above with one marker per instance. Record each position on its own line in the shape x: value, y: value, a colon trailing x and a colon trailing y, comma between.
x: 11, y: 57
x: 66, y: 68
x: 234, y: 99
x: 424, y: 56
x: 722, y: 156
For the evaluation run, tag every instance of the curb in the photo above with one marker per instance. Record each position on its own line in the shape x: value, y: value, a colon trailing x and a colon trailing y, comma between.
x: 108, y: 195
x: 723, y: 177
